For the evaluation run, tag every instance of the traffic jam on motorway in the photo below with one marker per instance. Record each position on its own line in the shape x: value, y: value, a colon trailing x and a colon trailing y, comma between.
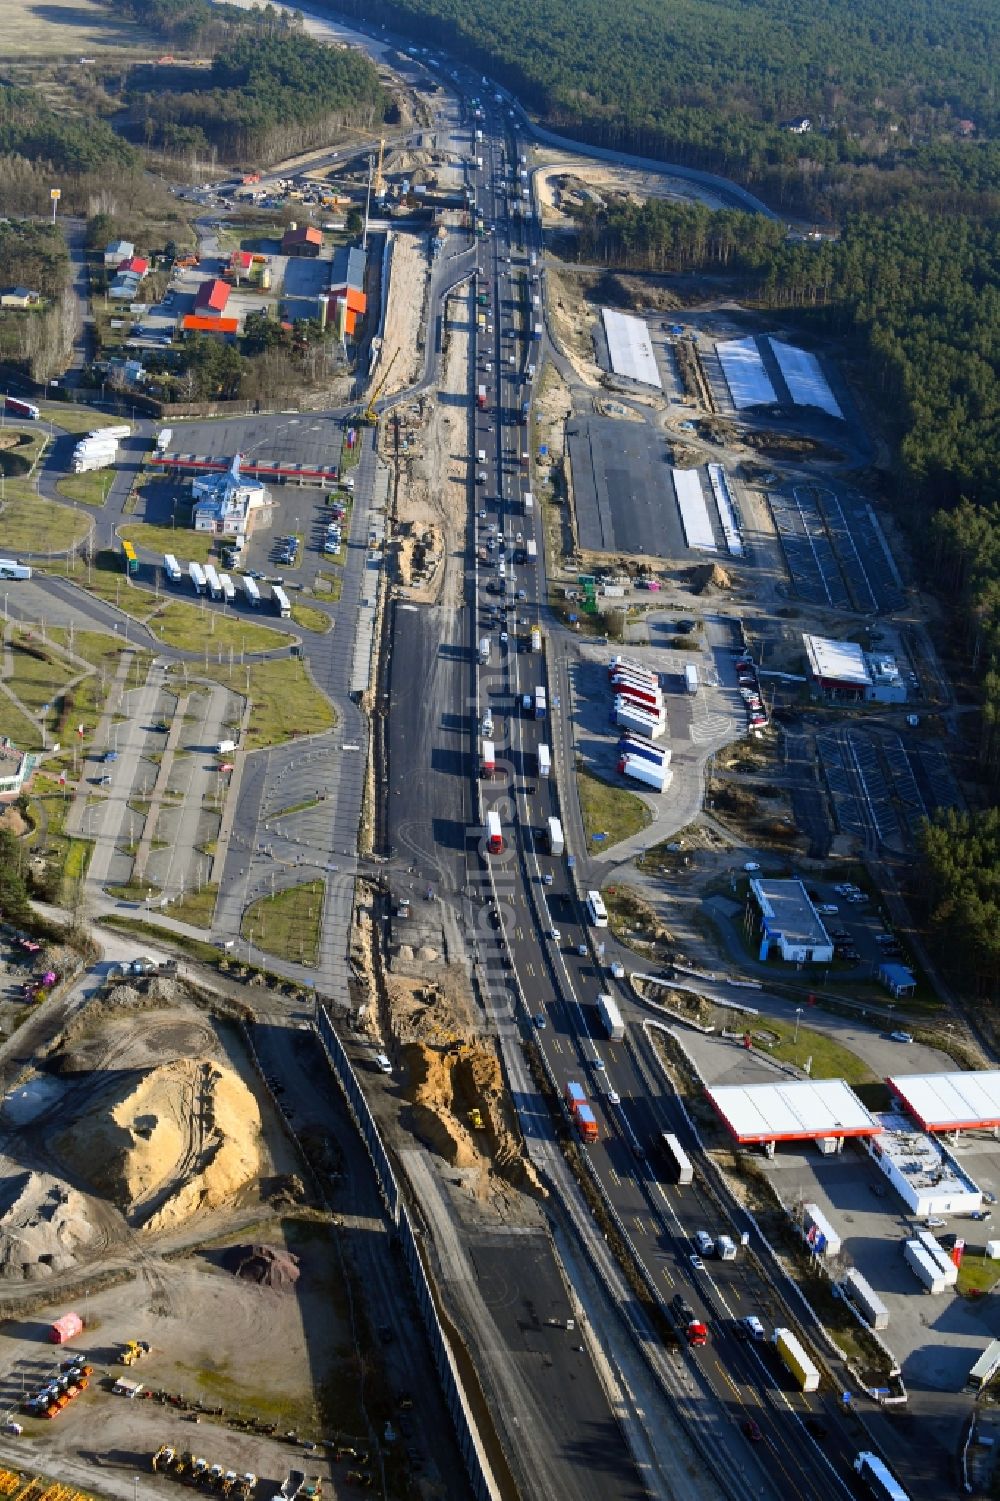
x: 633, y: 1131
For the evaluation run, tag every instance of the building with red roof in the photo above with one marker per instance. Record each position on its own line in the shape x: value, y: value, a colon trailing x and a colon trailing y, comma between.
x: 302, y: 239
x: 211, y: 298
x: 138, y: 265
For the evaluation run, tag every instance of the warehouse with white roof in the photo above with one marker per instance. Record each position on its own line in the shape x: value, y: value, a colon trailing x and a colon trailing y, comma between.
x: 968, y: 1101
x: 630, y: 348
x: 792, y: 1110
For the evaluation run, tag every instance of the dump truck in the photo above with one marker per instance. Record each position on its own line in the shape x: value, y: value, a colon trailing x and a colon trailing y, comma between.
x: 611, y: 1017
x: 247, y: 1485
x: 796, y: 1360
x: 215, y: 1477
x: 228, y: 1481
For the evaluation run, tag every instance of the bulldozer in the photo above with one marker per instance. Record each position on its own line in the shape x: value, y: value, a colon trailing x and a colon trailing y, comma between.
x: 131, y: 1351
x: 163, y: 1458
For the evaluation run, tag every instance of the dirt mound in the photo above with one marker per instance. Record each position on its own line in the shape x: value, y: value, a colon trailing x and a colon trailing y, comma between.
x: 461, y: 1111
x: 13, y: 820
x: 268, y: 1266
x: 43, y: 1227
x: 168, y: 1142
x: 709, y: 576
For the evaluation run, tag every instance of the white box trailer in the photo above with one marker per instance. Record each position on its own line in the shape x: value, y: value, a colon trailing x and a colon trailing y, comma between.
x: 820, y: 1235
x: 121, y: 431
x: 544, y: 761
x: 937, y: 1253
x: 212, y: 581
x: 691, y: 678
x: 228, y: 588
x: 171, y: 568
x: 281, y: 602
x: 629, y: 717
x: 554, y: 836
x: 10, y: 568
x: 164, y: 438
x: 641, y: 770
x: 197, y: 576
x: 529, y: 502
x: 924, y: 1267
x: 611, y: 1017
x: 251, y: 591
x: 865, y: 1299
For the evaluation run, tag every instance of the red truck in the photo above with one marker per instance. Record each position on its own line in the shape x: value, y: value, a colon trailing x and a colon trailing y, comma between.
x: 583, y: 1116
x: 481, y: 398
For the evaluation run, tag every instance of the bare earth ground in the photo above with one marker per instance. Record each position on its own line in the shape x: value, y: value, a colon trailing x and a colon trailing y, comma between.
x: 66, y: 27
x: 407, y: 291
x: 434, y: 473
x: 562, y: 173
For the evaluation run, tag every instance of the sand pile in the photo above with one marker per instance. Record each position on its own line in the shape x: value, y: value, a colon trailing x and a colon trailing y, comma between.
x: 709, y: 576
x: 43, y: 1226
x: 169, y: 1142
x: 268, y: 1266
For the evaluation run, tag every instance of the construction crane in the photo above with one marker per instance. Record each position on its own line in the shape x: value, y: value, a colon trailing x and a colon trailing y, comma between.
x: 378, y: 184
x: 370, y: 415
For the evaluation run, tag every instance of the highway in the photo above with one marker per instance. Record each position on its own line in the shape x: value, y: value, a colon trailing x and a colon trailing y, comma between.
x: 800, y: 1445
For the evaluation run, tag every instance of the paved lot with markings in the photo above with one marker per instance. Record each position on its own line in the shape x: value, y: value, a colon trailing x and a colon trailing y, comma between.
x: 624, y: 497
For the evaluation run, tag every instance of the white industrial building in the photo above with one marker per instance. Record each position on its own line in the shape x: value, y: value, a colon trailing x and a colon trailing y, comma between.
x: 842, y: 671
x: 749, y: 383
x: 786, y: 920
x: 923, y: 1174
x: 226, y: 504
x: 630, y: 348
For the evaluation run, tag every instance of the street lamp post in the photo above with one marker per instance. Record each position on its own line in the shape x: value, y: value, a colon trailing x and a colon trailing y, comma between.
x: 798, y: 1017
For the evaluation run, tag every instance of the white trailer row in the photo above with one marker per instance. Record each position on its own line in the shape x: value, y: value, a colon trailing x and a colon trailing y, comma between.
x: 924, y: 1267
x: 865, y: 1299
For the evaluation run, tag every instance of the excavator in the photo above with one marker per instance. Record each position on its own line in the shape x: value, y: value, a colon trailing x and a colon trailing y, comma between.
x: 163, y: 1458
x: 370, y: 415
x: 131, y: 1351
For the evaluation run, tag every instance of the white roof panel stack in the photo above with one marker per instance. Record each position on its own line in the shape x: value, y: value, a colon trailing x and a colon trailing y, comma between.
x: 749, y: 383
x: 694, y: 512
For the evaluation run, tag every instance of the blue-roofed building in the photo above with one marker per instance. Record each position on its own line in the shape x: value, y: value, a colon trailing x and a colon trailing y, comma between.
x: 787, y: 921
x: 227, y: 504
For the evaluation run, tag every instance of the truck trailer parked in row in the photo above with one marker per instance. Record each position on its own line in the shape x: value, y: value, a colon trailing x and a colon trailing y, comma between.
x: 937, y: 1253
x: 924, y: 1267
x: 197, y: 576
x: 171, y: 568
x: 796, y: 1360
x: 640, y: 770
x: 629, y: 717
x: 251, y: 591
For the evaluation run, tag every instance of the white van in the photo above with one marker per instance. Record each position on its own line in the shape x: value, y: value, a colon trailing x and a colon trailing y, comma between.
x: 224, y: 747
x: 382, y: 1063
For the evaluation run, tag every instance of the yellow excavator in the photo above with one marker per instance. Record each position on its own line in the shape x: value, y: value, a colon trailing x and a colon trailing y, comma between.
x: 370, y: 415
x: 131, y: 1351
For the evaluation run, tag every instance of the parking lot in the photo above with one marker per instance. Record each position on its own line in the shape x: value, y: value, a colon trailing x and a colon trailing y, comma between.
x: 835, y: 550
x: 881, y: 787
x: 623, y: 492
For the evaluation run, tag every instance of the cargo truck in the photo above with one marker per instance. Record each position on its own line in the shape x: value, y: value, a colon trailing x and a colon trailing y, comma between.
x: 868, y: 1303
x: 611, y: 1017
x: 637, y: 745
x: 544, y: 761
x: 531, y: 551
x: 677, y: 1159
x: 554, y: 837
x: 796, y: 1360
x: 654, y: 777
x: 228, y: 588
x: 15, y: 407
x: 820, y: 1235
x: 171, y: 568
x: 924, y: 1267
x: 197, y: 576
x: 163, y: 439
x: 122, y: 430
x: 10, y: 568
x: 481, y: 456
x: 536, y: 639
x: 696, y: 1334
x: 212, y: 581
x: 629, y: 716
x: 87, y: 460
x: 281, y: 602
x: 541, y: 703
x: 481, y: 398
x: 251, y: 591
x: 691, y: 678
x: 484, y: 649
x: 529, y: 502
x: 636, y: 675
x: 575, y: 1096
x: 586, y: 1123
x: 937, y: 1253
x: 494, y: 836
x: 725, y: 1248
x: 488, y: 759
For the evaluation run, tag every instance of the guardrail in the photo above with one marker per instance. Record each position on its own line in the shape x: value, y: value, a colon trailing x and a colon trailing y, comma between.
x: 484, y: 1487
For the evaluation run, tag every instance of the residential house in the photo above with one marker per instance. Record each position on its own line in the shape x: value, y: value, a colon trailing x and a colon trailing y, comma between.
x: 302, y: 240
x: 19, y: 297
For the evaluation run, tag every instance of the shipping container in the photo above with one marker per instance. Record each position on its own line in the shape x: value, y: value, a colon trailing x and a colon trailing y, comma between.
x: 820, y: 1235
x: 924, y: 1267
x: 171, y: 568
x: 865, y: 1299
x: 796, y: 1360
x: 544, y: 761
x: 494, y: 836
x: 554, y: 837
x: 611, y: 1017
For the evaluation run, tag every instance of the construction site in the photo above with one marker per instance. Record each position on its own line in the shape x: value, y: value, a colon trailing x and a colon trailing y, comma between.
x: 158, y: 1216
